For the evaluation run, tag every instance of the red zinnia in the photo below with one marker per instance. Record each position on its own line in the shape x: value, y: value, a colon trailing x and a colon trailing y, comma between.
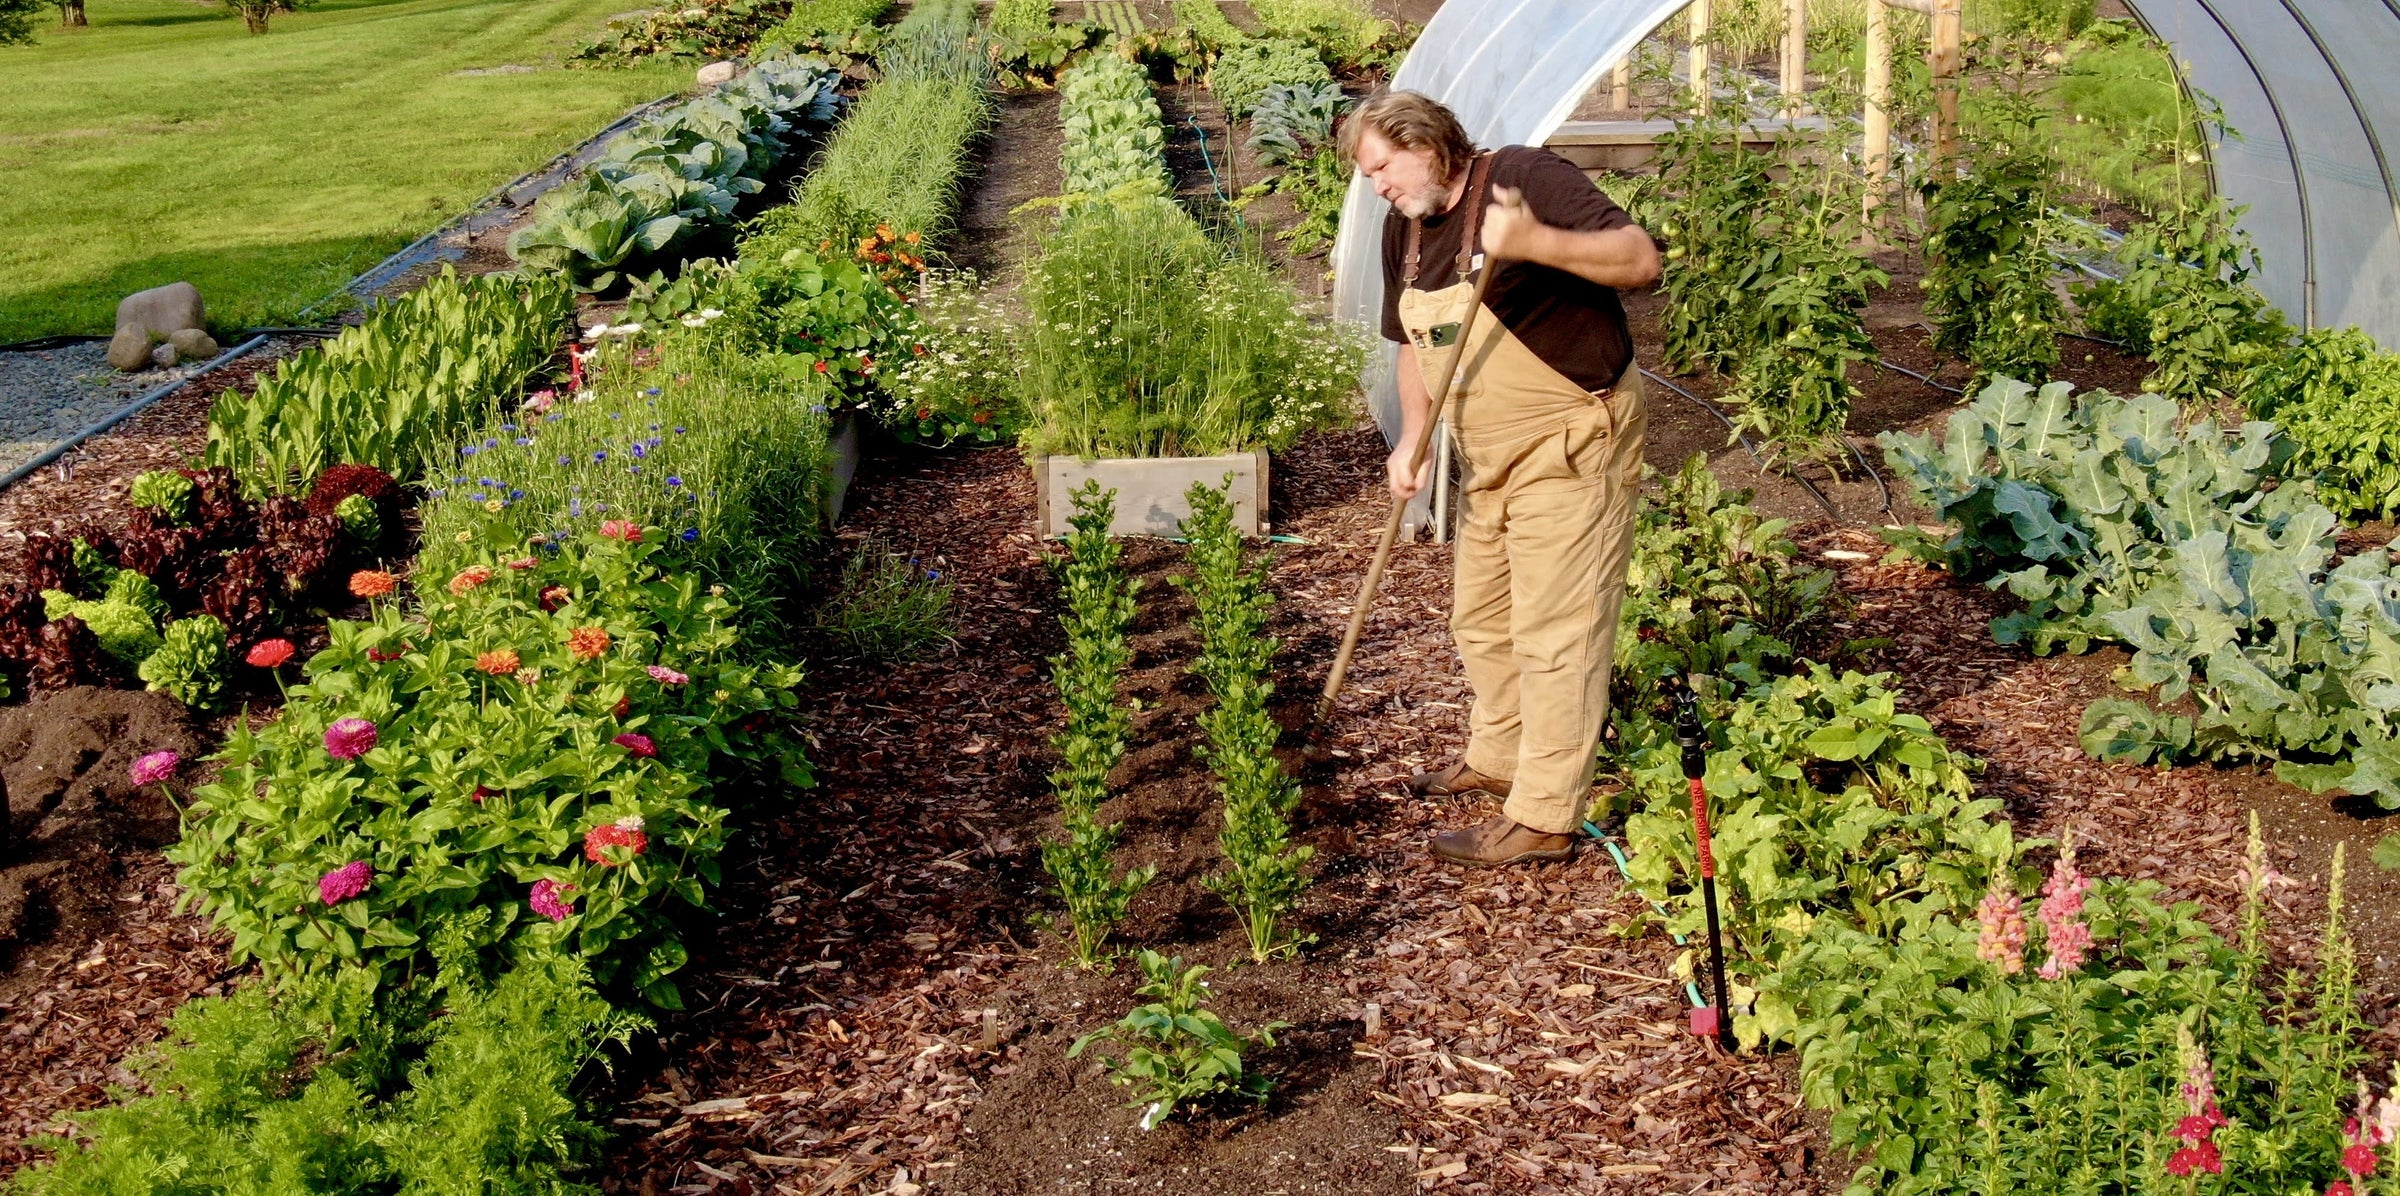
x: 554, y: 597
x: 636, y: 743
x: 372, y: 583
x: 625, y: 832
x: 386, y: 655
x: 270, y: 654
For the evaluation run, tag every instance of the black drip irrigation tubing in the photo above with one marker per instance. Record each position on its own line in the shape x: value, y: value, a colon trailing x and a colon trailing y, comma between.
x: 1711, y: 408
x: 121, y: 414
x: 39, y: 343
x: 1901, y: 369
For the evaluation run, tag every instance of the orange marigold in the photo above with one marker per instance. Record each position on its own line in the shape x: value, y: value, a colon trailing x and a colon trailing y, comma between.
x: 499, y: 662
x: 373, y: 583
x: 469, y: 578
x: 587, y: 643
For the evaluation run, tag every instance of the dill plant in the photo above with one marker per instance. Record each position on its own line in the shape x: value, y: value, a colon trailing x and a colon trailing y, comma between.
x: 1100, y: 605
x: 1263, y: 876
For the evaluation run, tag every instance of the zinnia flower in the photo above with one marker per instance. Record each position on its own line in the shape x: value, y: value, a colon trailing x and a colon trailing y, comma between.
x: 587, y: 643
x: 345, y: 882
x: 372, y: 583
x: 623, y: 707
x: 621, y: 529
x: 469, y: 578
x: 270, y: 654
x: 154, y: 768
x: 666, y: 676
x: 499, y: 662
x: 625, y: 832
x: 636, y: 743
x: 523, y: 562
x: 2339, y: 1187
x: 350, y: 738
x: 554, y: 597
x: 549, y: 899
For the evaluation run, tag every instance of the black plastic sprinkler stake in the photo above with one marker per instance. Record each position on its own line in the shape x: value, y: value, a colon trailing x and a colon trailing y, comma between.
x: 1715, y: 1020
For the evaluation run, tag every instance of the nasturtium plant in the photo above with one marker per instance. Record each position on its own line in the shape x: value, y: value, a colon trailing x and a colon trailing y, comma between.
x: 535, y: 741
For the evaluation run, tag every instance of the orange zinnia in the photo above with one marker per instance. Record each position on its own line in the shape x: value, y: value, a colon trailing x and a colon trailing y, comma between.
x: 499, y: 662
x: 587, y: 643
x: 372, y: 583
x: 469, y: 578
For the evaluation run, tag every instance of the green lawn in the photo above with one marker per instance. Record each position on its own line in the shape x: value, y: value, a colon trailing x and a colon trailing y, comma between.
x: 165, y: 143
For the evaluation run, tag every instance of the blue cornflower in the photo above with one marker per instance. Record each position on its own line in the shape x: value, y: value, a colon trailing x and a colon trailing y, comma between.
x: 601, y: 507
x: 481, y: 495
x: 933, y: 575
x: 818, y: 408
x: 437, y: 493
x: 616, y: 415
x: 466, y: 450
x: 460, y: 480
x: 522, y: 441
x: 639, y: 450
x: 599, y: 454
x: 651, y: 391
x: 673, y: 480
x: 679, y: 429
x: 633, y: 469
x: 575, y: 508
x: 514, y: 495
x: 508, y: 427
x: 485, y: 482
x: 491, y: 442
x: 690, y: 534
x: 562, y: 460
x: 656, y: 441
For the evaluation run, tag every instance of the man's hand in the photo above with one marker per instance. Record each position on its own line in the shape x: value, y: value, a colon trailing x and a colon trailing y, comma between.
x: 1395, y: 469
x: 1616, y: 257
x: 1510, y: 229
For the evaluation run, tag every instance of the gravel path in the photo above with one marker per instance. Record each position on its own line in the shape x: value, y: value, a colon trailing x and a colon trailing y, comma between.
x: 47, y: 395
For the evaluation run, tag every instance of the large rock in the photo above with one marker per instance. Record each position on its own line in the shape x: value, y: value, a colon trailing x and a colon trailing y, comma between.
x: 163, y: 311
x: 129, y: 349
x: 193, y: 344
x: 163, y: 356
x: 715, y: 73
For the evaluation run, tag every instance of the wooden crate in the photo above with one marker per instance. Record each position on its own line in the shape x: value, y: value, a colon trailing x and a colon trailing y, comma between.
x: 1150, y: 491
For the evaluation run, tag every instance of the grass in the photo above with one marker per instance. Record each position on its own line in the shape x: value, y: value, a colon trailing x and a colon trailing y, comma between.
x: 165, y: 143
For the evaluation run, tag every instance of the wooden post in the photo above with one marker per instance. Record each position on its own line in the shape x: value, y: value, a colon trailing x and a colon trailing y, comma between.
x: 1795, y: 55
x: 1700, y: 56
x: 1621, y: 98
x: 1945, y: 59
x: 1878, y: 116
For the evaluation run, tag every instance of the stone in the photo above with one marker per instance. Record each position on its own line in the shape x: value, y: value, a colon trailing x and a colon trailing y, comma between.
x: 161, y: 311
x: 193, y: 344
x: 164, y: 355
x: 715, y: 73
x: 129, y: 350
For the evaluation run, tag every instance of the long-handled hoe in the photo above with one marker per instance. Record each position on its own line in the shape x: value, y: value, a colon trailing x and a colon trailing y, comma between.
x: 1417, y: 447
x: 1711, y: 1021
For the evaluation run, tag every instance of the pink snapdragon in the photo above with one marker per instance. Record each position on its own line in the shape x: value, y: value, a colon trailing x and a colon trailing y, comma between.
x: 154, y: 768
x: 2002, y: 941
x: 666, y: 676
x: 350, y: 738
x: 2068, y: 938
x: 2358, y: 1158
x: 549, y: 899
x: 345, y: 882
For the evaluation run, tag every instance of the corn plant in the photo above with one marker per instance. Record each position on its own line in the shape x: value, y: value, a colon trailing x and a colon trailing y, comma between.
x: 1176, y: 1051
x: 391, y: 390
x: 1099, y: 607
x: 1263, y: 879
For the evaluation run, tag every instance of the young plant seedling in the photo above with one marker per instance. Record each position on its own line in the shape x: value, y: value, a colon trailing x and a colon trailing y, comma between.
x: 1175, y: 1051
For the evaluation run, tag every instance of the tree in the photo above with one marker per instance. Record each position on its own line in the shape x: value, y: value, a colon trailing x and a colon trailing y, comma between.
x: 16, y: 21
x: 70, y: 14
x: 254, y: 12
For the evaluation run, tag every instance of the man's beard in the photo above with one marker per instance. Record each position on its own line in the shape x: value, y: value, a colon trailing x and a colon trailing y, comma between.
x: 1423, y: 202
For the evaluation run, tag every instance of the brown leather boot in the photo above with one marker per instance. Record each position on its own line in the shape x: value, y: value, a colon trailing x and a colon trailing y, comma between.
x: 1455, y: 780
x: 1500, y: 841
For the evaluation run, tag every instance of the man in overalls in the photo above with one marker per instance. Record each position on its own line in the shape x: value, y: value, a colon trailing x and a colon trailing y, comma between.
x: 1549, y: 420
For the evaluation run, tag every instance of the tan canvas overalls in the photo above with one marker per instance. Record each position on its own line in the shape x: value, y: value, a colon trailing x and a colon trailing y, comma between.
x: 1545, y: 528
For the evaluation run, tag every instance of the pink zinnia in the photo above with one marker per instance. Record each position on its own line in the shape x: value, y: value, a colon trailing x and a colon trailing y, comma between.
x: 637, y: 743
x: 2339, y: 1187
x: 523, y: 562
x: 350, y: 738
x: 345, y: 882
x: 154, y: 768
x: 549, y: 899
x: 2069, y: 939
x: 666, y: 676
x: 621, y: 529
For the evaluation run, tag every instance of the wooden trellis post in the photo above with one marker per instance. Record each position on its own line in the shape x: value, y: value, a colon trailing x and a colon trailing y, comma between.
x: 1621, y: 97
x: 1700, y: 16
x: 1943, y: 55
x: 1795, y: 55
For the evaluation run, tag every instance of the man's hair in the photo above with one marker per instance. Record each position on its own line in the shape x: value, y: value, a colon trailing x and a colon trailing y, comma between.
x: 1411, y: 121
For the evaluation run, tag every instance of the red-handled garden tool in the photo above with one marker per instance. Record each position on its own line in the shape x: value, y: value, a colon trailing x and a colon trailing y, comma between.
x: 1712, y: 1021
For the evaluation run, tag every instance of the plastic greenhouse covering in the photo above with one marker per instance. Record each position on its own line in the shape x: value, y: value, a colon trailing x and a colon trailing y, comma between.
x: 2308, y: 91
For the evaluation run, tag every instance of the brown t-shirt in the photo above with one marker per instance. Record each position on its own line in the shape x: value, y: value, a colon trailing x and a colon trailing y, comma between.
x: 1575, y: 325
